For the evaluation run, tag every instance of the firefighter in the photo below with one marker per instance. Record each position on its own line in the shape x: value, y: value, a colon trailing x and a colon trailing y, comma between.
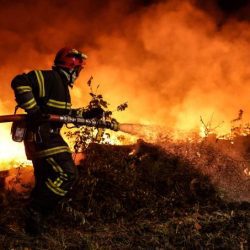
x: 42, y: 92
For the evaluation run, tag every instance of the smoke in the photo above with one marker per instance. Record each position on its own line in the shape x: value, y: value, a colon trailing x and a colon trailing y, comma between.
x: 173, y: 61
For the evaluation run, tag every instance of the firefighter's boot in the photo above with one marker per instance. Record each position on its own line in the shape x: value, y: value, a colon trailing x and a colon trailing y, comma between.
x: 33, y: 222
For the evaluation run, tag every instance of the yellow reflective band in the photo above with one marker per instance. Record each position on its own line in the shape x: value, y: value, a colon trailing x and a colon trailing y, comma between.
x: 40, y: 80
x: 52, y: 151
x: 55, y: 166
x: 64, y: 177
x: 58, y: 182
x: 23, y: 89
x: 58, y: 104
x: 54, y: 188
x: 54, y: 185
x: 29, y: 104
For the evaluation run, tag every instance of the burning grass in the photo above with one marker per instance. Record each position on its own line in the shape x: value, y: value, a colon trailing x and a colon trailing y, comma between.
x: 182, y: 195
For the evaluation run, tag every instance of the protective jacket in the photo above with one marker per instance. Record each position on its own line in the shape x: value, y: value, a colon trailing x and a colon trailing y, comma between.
x: 48, y: 91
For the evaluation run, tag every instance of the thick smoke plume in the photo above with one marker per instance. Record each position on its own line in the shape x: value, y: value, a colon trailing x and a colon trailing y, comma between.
x: 171, y: 60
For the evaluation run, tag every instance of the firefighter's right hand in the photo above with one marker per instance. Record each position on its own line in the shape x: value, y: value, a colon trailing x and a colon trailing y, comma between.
x: 36, y: 117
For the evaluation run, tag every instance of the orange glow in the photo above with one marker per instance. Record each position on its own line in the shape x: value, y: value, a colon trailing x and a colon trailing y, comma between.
x: 9, y: 151
x: 171, y: 61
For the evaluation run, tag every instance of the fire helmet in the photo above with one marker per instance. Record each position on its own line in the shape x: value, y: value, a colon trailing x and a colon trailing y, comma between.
x: 70, y: 59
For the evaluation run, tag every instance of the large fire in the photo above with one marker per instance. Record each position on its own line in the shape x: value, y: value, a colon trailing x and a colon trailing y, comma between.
x: 10, y: 153
x: 172, y: 61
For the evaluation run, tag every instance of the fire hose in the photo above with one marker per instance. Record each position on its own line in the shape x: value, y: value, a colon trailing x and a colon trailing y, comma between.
x: 78, y: 121
x: 133, y: 129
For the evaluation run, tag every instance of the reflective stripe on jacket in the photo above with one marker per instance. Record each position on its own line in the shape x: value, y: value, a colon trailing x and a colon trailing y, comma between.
x: 48, y: 91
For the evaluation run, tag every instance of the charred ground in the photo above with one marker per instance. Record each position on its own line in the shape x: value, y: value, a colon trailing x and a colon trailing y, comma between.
x: 153, y: 198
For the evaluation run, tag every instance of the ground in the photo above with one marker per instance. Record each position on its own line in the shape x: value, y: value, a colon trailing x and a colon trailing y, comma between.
x: 142, y: 196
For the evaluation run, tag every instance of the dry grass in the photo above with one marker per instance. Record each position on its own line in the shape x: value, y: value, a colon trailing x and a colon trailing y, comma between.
x: 177, y: 197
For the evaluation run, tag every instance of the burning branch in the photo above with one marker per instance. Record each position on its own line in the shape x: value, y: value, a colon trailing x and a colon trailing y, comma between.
x: 208, y: 129
x: 240, y: 115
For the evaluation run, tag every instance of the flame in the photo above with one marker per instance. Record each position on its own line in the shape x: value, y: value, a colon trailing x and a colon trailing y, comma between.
x: 202, y: 132
x: 11, y: 153
x: 118, y: 138
x: 172, y: 61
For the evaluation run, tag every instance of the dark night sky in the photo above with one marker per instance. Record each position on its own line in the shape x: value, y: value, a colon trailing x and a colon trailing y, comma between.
x: 224, y: 5
x: 238, y: 8
x: 232, y: 5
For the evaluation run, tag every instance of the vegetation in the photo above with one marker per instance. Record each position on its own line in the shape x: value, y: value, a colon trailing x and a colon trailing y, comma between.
x: 143, y: 196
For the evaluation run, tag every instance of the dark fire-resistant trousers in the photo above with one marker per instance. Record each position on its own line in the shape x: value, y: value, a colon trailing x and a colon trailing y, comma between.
x: 54, y: 178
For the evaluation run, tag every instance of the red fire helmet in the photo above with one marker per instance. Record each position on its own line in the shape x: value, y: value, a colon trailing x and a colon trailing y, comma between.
x: 70, y: 59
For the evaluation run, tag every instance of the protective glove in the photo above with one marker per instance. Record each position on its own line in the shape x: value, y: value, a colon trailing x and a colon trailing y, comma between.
x: 93, y: 113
